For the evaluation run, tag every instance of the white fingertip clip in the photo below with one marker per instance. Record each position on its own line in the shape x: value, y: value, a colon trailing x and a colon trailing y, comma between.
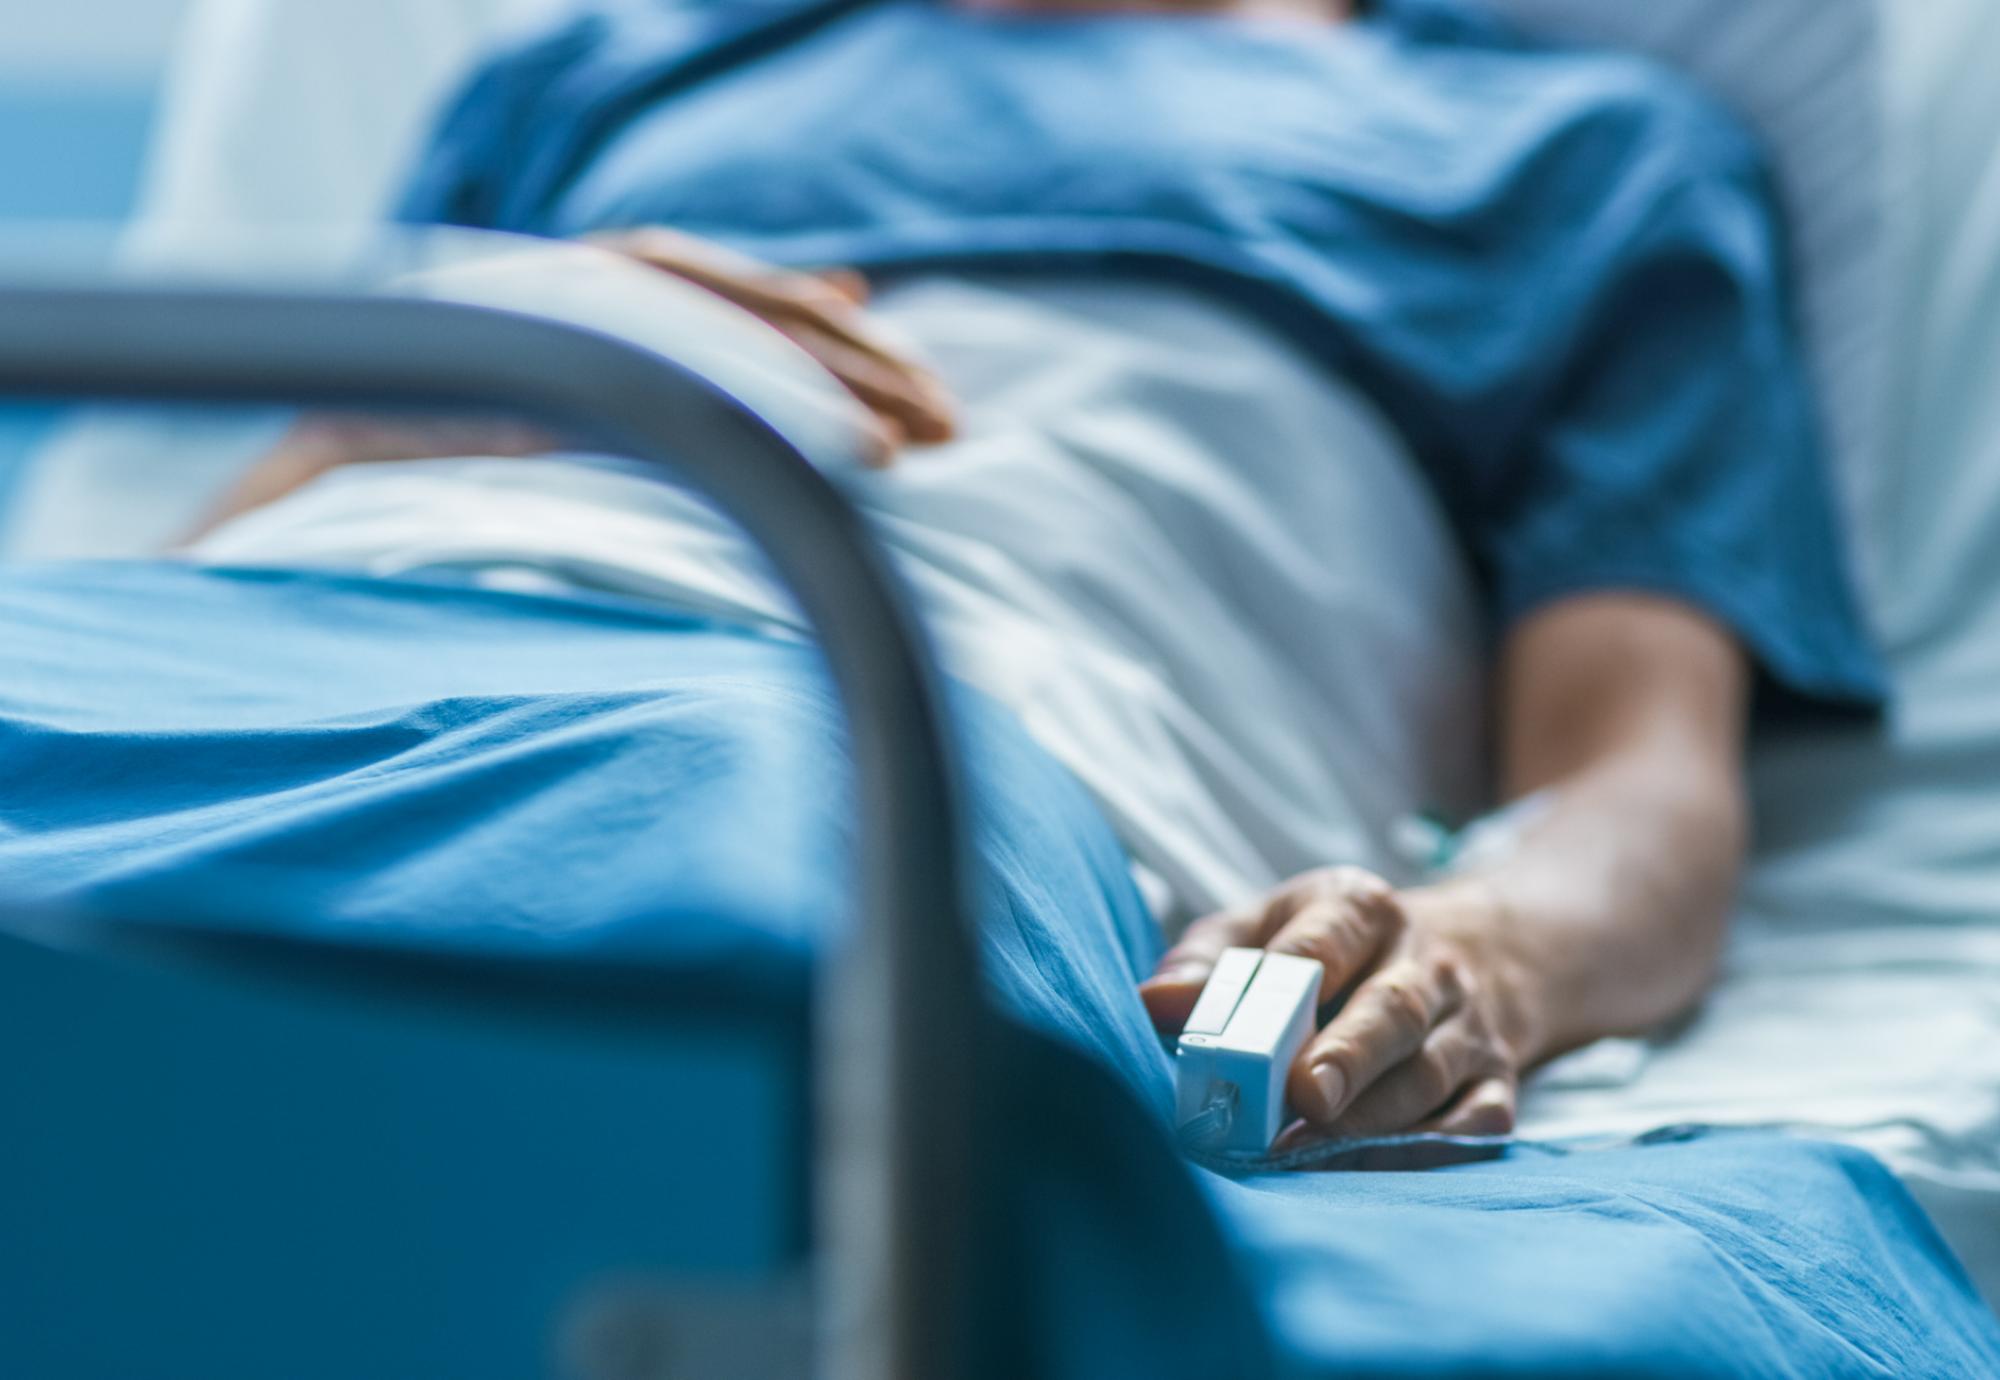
x: 1255, y: 1014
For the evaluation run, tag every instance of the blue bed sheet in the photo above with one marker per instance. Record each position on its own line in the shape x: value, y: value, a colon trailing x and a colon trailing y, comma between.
x: 410, y: 767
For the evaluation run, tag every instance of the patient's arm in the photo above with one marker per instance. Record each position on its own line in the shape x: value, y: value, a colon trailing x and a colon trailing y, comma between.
x: 1633, y: 707
x: 1606, y: 919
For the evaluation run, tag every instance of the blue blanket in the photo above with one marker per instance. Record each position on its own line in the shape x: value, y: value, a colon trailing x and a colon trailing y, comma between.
x: 410, y: 767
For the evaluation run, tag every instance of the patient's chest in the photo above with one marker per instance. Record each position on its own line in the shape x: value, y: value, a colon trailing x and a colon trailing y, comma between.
x: 911, y: 113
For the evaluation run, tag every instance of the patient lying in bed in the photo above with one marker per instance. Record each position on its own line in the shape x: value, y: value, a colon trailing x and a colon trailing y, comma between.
x: 1213, y: 360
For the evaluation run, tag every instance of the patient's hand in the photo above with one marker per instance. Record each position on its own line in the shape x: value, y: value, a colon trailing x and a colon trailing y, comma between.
x: 1429, y: 1036
x: 1606, y: 918
x: 822, y: 314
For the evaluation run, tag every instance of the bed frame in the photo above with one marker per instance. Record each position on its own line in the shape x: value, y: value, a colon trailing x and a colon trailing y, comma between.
x: 902, y: 1011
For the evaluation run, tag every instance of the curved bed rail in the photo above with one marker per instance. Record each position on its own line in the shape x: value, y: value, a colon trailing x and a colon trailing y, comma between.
x: 900, y: 998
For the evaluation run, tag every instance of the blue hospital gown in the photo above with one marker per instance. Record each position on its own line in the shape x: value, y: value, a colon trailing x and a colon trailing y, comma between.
x: 1562, y: 273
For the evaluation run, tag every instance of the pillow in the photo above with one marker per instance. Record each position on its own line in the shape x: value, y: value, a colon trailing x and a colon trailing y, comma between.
x: 1807, y: 76
x: 1943, y: 614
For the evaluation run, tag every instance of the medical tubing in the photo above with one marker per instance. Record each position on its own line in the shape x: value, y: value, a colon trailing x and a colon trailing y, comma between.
x: 1211, y: 1124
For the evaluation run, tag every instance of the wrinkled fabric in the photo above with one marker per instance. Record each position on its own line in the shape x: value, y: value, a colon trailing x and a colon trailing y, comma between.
x: 435, y: 769
x: 1561, y: 273
x: 1147, y: 501
x: 427, y: 766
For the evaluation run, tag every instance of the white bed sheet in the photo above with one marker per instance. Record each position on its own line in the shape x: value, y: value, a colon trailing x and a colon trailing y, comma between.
x: 1860, y: 996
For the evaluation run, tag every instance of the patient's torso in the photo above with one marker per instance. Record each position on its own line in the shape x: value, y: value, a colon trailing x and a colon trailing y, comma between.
x: 1557, y: 272
x: 1201, y: 570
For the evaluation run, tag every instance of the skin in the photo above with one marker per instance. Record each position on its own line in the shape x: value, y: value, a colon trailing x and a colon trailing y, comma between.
x: 823, y: 314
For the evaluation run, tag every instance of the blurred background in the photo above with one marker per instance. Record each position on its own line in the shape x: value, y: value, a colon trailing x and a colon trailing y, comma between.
x: 78, y: 80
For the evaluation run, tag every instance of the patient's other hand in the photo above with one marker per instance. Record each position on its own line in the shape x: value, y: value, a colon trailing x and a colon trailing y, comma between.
x: 822, y: 314
x: 1431, y: 1031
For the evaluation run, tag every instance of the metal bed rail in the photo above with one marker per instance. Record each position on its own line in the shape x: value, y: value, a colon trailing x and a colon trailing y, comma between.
x: 898, y: 1002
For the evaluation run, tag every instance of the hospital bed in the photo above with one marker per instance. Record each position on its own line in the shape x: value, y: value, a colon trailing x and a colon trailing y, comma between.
x: 259, y: 1129
x: 889, y: 1236
x: 896, y: 1145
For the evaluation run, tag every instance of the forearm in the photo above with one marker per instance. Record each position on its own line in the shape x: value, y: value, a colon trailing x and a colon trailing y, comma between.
x: 1610, y: 916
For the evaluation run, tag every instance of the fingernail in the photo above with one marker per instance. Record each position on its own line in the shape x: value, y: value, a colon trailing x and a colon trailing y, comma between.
x: 1332, y: 1087
x: 1179, y: 972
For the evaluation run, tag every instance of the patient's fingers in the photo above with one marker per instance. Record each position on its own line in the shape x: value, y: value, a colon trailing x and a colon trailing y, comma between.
x: 1386, y: 1026
x: 831, y: 327
x: 897, y: 391
x: 1487, y: 1108
x: 821, y: 312
x: 1455, y: 1053
x: 1345, y: 917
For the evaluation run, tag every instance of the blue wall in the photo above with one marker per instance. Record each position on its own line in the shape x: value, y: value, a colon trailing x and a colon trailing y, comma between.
x: 70, y: 153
